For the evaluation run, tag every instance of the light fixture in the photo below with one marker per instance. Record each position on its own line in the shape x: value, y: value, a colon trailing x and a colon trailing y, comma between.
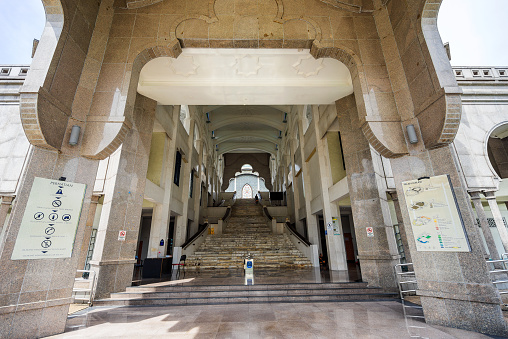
x: 73, y: 139
x: 411, y: 133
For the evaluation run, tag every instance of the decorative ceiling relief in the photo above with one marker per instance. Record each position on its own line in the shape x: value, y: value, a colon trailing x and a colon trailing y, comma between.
x: 184, y: 65
x: 246, y: 65
x: 307, y: 66
x: 134, y: 4
x: 348, y: 5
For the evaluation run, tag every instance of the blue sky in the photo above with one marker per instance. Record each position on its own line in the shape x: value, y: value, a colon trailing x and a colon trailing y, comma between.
x: 476, y: 30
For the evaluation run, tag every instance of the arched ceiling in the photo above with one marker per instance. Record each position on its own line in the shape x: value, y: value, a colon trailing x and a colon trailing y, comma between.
x: 245, y: 94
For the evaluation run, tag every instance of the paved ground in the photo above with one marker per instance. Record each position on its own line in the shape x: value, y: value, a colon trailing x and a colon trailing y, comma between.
x: 250, y: 321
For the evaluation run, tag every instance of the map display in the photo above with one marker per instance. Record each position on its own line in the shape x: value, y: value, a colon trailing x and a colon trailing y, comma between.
x: 435, y: 218
x: 49, y: 225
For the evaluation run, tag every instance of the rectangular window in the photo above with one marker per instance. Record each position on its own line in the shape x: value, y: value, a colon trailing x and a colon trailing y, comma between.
x: 191, y: 185
x: 178, y: 165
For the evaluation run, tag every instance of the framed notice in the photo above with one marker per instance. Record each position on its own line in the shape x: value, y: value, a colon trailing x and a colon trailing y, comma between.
x: 49, y: 225
x: 435, y: 217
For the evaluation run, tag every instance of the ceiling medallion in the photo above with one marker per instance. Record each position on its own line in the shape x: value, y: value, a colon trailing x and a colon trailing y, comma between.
x: 246, y: 65
x: 184, y: 65
x: 307, y: 66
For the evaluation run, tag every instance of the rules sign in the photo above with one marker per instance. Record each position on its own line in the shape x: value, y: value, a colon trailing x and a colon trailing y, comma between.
x: 48, y: 228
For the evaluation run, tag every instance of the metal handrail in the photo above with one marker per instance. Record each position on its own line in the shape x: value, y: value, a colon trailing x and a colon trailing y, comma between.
x: 407, y: 271
x: 91, y: 286
x: 492, y: 272
x: 195, y: 236
x: 297, y: 235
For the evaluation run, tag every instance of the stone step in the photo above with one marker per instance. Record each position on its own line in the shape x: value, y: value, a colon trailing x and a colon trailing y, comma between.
x: 237, y: 294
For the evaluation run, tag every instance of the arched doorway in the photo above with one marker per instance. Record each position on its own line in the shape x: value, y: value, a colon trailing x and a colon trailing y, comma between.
x: 247, y: 192
x: 497, y: 150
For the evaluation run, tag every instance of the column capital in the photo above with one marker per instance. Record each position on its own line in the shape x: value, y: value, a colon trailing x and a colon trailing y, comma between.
x: 7, y: 199
x: 475, y: 195
x: 393, y: 194
x: 490, y: 195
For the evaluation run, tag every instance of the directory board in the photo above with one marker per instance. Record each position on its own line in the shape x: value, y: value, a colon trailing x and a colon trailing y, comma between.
x: 49, y: 224
x: 435, y: 217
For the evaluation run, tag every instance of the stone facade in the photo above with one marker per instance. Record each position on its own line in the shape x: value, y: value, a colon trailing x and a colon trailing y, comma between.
x: 143, y: 156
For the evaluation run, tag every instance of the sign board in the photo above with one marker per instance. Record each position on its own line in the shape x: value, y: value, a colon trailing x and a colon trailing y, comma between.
x: 435, y: 217
x: 336, y: 228
x: 122, y: 234
x: 329, y: 227
x: 370, y: 231
x: 49, y: 225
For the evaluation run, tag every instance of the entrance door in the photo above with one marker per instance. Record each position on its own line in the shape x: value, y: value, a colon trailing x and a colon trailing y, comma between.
x: 247, y: 192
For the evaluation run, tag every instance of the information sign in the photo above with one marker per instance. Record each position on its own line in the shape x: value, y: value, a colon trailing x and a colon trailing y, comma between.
x: 49, y: 225
x: 435, y: 217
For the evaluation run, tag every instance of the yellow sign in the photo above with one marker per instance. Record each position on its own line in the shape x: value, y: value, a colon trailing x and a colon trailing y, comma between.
x: 435, y: 217
x: 51, y: 218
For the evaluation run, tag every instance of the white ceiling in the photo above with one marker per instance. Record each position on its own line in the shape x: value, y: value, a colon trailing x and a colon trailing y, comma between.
x: 204, y: 76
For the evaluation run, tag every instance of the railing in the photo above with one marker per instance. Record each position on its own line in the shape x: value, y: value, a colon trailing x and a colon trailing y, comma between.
x: 500, y: 267
x: 292, y: 230
x: 86, y: 293
x: 199, y: 233
x: 297, y: 234
x: 413, y: 314
x: 227, y: 214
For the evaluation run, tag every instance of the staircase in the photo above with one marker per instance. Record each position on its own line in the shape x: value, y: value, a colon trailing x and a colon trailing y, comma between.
x: 241, y: 294
x: 247, y: 232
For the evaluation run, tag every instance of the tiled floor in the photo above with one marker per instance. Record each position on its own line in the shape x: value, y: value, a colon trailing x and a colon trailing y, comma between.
x: 299, y: 320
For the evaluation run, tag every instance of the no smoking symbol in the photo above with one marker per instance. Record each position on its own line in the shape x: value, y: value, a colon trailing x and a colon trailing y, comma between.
x: 46, y: 243
x: 56, y: 203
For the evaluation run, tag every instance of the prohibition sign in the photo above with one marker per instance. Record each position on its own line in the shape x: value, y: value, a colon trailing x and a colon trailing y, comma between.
x: 56, y: 203
x: 46, y: 243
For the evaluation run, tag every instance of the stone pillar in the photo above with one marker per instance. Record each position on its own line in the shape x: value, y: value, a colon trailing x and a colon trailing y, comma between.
x: 335, y: 243
x: 312, y: 223
x: 113, y: 260
x: 182, y: 221
x: 498, y: 218
x: 377, y: 254
x: 484, y: 224
x: 162, y: 212
x: 4, y: 209
x: 197, y: 182
x: 35, y: 294
x: 402, y: 226
x: 455, y: 287
x: 88, y: 232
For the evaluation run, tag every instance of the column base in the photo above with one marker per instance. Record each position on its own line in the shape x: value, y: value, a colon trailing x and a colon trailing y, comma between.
x: 379, y: 272
x: 112, y: 276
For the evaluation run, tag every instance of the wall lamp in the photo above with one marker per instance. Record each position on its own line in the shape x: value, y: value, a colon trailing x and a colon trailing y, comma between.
x: 411, y: 133
x: 73, y: 140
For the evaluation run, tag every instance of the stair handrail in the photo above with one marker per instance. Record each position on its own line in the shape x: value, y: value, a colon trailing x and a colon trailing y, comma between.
x: 294, y: 232
x: 297, y: 234
x: 199, y: 233
x: 227, y: 214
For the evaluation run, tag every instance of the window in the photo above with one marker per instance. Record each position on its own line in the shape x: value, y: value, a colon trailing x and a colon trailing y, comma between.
x: 5, y: 71
x: 191, y: 185
x: 23, y: 71
x: 178, y: 165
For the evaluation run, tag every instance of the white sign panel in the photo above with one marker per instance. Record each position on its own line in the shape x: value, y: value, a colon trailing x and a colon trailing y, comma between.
x: 121, y: 235
x: 370, y: 231
x: 435, y: 218
x: 48, y: 228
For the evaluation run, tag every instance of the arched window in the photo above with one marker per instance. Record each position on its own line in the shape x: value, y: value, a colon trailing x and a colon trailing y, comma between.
x: 247, y: 192
x: 497, y: 150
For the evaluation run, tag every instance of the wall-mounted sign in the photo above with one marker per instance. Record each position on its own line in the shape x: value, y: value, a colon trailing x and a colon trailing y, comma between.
x: 435, y: 217
x: 48, y: 228
x: 123, y: 234
x: 370, y: 231
x: 336, y: 228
